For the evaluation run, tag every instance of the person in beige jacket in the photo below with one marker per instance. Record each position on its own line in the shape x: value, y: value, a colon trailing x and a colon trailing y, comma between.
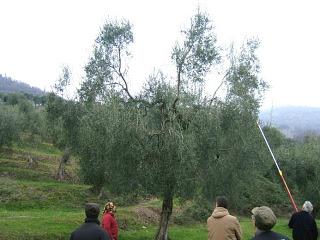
x: 221, y: 225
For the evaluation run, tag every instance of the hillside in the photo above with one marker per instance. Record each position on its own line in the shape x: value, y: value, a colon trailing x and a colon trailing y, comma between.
x: 8, y: 85
x: 30, y: 195
x: 34, y: 205
x: 294, y: 122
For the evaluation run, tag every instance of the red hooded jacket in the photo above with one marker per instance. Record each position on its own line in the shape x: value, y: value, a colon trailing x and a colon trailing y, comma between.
x: 110, y: 224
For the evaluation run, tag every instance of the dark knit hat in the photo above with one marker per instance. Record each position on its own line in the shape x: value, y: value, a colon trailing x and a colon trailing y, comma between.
x: 264, y: 218
x: 92, y: 210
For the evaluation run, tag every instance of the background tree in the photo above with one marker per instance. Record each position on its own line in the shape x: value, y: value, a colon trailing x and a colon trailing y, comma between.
x: 10, y: 125
x: 228, y: 142
x: 63, y: 119
x: 17, y: 109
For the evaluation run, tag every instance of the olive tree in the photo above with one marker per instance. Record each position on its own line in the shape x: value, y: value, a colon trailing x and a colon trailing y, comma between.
x: 159, y: 141
x: 158, y: 127
x: 10, y: 124
x: 235, y: 150
x: 63, y: 119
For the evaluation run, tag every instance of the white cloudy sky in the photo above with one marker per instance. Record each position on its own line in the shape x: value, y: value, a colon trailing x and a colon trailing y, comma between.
x: 38, y: 36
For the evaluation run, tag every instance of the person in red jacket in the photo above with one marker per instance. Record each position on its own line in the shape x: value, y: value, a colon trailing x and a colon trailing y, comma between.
x: 109, y: 222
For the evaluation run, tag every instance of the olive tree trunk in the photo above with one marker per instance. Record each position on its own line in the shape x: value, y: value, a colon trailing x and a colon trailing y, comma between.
x: 63, y: 160
x: 166, y: 212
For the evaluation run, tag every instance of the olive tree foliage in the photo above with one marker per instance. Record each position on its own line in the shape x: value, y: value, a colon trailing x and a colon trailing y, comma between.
x: 56, y: 108
x: 145, y: 136
x: 228, y: 141
x: 63, y: 82
x: 26, y: 121
x: 32, y: 123
x: 198, y: 52
x: 169, y: 140
x: 10, y: 125
x: 107, y: 68
x: 239, y: 116
x: 299, y: 160
x: 108, y: 147
x: 63, y: 119
x: 32, y: 120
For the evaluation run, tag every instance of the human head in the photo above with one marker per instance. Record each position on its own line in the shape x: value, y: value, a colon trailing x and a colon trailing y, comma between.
x: 221, y: 201
x: 109, y: 207
x: 307, y: 207
x: 264, y: 218
x: 92, y: 210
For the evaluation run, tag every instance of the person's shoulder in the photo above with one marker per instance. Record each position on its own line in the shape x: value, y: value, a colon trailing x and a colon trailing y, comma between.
x: 102, y: 232
x: 106, y: 216
x: 72, y: 235
x: 78, y: 229
x: 280, y: 236
x: 301, y: 215
x: 295, y: 215
x: 233, y: 218
x: 76, y: 232
x: 270, y: 235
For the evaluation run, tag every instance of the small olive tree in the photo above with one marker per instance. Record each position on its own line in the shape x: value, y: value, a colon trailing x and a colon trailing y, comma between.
x: 63, y: 120
x: 10, y: 124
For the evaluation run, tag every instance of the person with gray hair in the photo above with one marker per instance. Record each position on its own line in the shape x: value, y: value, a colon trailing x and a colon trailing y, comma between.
x: 264, y: 219
x: 303, y: 225
x: 307, y: 206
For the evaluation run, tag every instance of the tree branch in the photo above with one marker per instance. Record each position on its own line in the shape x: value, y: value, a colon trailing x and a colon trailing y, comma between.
x: 215, y: 92
x: 179, y: 71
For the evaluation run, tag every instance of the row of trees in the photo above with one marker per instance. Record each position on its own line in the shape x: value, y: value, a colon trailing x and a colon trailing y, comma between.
x: 20, y: 118
x: 173, y: 139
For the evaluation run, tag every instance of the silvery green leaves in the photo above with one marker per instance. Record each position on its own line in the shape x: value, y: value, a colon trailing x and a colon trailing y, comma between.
x: 115, y: 34
x: 198, y: 52
x: 244, y: 84
x: 63, y: 81
x: 107, y: 67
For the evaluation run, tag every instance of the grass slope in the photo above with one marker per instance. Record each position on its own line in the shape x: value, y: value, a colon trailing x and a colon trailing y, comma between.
x: 34, y: 205
x: 58, y: 224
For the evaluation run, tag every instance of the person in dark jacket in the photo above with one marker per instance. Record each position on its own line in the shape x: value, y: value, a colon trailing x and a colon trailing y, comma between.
x: 264, y: 219
x: 90, y: 229
x: 303, y: 225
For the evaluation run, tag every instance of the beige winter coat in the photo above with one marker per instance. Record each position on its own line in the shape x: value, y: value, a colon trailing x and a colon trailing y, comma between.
x: 223, y: 226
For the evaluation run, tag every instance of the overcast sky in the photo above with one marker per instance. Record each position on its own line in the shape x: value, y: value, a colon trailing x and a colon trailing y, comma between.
x: 37, y: 37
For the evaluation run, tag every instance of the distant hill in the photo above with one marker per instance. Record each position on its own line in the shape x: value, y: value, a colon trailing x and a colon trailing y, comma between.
x: 293, y: 121
x: 8, y: 85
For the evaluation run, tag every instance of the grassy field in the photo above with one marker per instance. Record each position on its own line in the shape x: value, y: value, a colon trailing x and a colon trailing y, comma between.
x: 58, y: 224
x: 34, y: 205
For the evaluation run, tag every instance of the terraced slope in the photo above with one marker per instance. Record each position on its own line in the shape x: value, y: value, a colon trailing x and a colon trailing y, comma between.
x: 34, y: 205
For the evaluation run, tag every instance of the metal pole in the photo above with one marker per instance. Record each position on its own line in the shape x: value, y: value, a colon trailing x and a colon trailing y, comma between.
x: 279, y: 171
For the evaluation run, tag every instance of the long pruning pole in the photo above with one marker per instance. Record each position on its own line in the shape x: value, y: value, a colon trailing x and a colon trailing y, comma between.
x: 279, y: 171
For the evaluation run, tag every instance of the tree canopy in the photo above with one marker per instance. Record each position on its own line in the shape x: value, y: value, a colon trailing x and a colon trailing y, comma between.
x: 168, y: 139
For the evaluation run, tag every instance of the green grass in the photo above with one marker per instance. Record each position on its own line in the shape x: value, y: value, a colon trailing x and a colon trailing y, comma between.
x: 58, y: 224
x: 33, y: 205
x: 22, y: 194
x: 38, y: 224
x: 39, y: 149
x: 14, y: 163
